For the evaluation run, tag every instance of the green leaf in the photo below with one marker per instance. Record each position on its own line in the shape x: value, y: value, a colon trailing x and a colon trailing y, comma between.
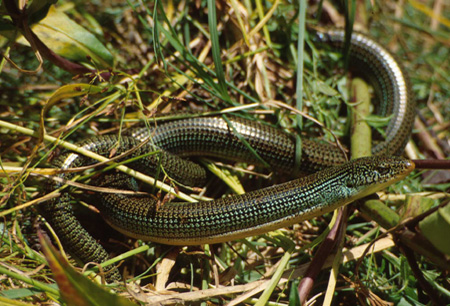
x: 38, y: 9
x: 436, y: 228
x: 326, y: 89
x: 19, y: 293
x: 76, y: 289
x: 65, y: 92
x: 215, y: 48
x: 9, y: 302
x: 7, y: 32
x: 294, y: 299
x: 378, y: 121
x: 70, y: 40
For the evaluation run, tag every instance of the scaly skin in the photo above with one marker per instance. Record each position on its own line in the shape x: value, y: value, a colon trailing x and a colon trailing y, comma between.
x: 249, y: 214
x: 213, y: 136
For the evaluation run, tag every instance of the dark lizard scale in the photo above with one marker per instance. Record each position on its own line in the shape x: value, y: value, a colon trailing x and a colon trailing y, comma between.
x: 139, y: 216
x: 386, y: 74
x: 212, y: 136
x: 59, y: 213
x: 192, y: 174
x: 200, y: 219
x: 365, y: 58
